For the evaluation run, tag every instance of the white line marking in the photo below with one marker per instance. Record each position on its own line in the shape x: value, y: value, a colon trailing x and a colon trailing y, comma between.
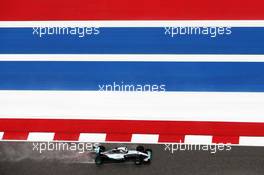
x: 251, y: 141
x: 92, y: 137
x: 144, y: 138
x: 135, y: 23
x: 198, y: 139
x: 165, y: 106
x: 40, y: 136
x: 132, y: 58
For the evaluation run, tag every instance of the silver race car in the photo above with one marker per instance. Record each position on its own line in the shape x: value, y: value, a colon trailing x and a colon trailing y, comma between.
x: 122, y: 154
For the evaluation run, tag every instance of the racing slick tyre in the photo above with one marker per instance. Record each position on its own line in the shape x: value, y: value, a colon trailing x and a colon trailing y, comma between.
x: 98, y: 160
x: 140, y: 148
x: 138, y: 161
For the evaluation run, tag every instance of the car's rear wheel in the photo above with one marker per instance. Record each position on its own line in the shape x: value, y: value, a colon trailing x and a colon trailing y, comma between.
x: 101, y: 148
x: 98, y: 160
x: 140, y: 148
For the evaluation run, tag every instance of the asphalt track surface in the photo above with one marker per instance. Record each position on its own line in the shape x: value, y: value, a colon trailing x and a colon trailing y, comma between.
x: 19, y: 159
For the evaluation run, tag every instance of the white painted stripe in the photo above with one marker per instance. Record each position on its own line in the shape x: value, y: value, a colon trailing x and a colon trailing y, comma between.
x: 40, y: 136
x: 251, y: 141
x: 145, y: 138
x: 168, y: 106
x: 134, y: 23
x: 198, y: 139
x: 138, y: 138
x: 92, y: 137
x: 129, y: 57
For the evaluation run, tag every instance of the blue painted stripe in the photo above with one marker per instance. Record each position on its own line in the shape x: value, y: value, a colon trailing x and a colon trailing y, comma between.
x: 176, y: 76
x: 248, y: 40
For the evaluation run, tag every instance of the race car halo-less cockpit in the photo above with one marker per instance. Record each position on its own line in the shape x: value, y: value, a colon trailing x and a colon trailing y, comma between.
x: 121, y: 154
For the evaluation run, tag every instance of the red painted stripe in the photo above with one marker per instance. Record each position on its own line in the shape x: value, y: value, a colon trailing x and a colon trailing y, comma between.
x: 124, y: 10
x: 116, y: 137
x: 225, y: 139
x: 15, y: 136
x: 171, y: 138
x: 132, y: 126
x: 67, y: 136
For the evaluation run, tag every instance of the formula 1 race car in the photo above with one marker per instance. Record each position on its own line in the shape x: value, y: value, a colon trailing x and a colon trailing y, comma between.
x: 122, y: 154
